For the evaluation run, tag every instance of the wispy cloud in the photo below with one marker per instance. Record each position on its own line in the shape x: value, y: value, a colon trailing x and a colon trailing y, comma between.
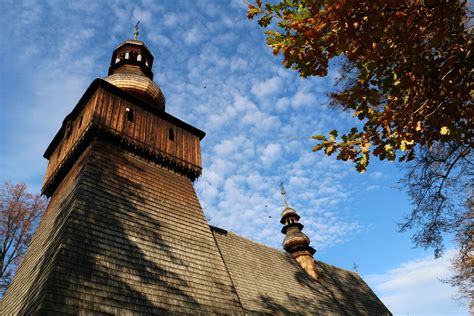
x: 415, y: 287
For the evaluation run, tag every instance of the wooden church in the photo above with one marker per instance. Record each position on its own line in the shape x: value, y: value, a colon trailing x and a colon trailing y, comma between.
x: 124, y: 232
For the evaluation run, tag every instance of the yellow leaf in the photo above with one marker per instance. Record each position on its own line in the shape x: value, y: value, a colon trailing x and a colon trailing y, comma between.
x: 364, y: 147
x: 445, y: 130
x: 418, y: 126
x: 404, y: 143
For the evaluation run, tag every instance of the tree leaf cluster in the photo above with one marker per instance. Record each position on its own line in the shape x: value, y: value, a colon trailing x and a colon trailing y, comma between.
x: 407, y: 73
x: 407, y: 76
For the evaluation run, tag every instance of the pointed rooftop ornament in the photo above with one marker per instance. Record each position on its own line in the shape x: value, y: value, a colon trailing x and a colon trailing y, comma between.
x: 136, y: 32
x: 283, y: 193
x: 296, y: 242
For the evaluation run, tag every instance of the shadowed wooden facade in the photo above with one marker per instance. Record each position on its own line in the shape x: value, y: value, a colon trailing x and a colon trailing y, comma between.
x: 124, y: 232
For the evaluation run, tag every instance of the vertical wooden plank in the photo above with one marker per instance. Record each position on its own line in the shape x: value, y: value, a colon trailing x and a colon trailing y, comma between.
x: 139, y: 124
x: 143, y: 126
x: 154, y: 131
x: 160, y: 137
x: 177, y: 136
x: 197, y: 151
x: 150, y: 128
x: 179, y: 143
x: 187, y: 148
x: 106, y: 112
x: 100, y: 104
x: 110, y: 111
x: 120, y: 116
x: 115, y: 113
x: 170, y: 143
x: 163, y: 135
x: 89, y: 113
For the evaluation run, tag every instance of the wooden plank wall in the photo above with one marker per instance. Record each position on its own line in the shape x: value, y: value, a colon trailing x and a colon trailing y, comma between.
x: 110, y: 111
x: 74, y: 130
x: 147, y: 128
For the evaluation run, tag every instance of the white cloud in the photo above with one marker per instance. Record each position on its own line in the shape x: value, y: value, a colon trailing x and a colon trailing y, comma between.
x: 267, y: 87
x: 303, y: 98
x: 170, y: 19
x: 270, y: 154
x: 376, y: 175
x: 193, y: 36
x: 159, y: 39
x: 282, y: 104
x: 373, y: 187
x: 237, y: 148
x: 415, y: 288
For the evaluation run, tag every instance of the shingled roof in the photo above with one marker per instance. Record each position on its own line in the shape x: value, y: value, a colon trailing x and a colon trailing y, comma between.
x: 126, y: 236
x: 269, y: 281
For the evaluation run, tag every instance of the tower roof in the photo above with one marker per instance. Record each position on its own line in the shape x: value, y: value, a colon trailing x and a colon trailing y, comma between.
x: 130, y: 70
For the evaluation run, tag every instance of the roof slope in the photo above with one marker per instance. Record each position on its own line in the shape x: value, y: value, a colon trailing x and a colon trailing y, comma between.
x: 269, y: 281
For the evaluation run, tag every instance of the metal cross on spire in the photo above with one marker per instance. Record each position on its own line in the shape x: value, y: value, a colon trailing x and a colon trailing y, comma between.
x: 283, y: 193
x: 135, y: 33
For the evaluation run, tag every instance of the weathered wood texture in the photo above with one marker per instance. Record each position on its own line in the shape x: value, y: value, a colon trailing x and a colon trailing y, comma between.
x: 271, y: 282
x: 132, y: 124
x: 27, y: 290
x: 141, y: 86
x: 131, y: 240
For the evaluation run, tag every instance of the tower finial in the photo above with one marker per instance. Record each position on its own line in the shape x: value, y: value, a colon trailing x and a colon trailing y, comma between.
x: 296, y: 242
x: 135, y: 33
x: 283, y: 193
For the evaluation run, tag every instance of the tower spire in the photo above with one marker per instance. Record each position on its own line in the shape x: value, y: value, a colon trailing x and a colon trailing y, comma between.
x: 283, y: 193
x: 296, y: 242
x: 135, y: 33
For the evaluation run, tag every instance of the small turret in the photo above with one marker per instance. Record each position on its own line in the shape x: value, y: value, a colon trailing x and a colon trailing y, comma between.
x: 130, y: 70
x: 296, y: 242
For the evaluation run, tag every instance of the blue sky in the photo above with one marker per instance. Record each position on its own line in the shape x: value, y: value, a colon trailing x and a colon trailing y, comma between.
x: 217, y: 74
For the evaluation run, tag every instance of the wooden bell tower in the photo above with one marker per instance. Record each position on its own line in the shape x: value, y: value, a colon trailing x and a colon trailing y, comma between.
x: 124, y: 232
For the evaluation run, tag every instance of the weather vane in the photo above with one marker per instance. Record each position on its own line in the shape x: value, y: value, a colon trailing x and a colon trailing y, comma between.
x: 283, y: 193
x: 135, y: 33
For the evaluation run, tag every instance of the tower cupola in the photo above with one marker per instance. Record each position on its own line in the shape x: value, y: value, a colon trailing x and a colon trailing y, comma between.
x: 131, y: 70
x: 296, y: 242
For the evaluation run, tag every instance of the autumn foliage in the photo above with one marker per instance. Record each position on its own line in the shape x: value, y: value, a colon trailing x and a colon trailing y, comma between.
x: 20, y: 212
x: 406, y: 69
x: 406, y: 74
